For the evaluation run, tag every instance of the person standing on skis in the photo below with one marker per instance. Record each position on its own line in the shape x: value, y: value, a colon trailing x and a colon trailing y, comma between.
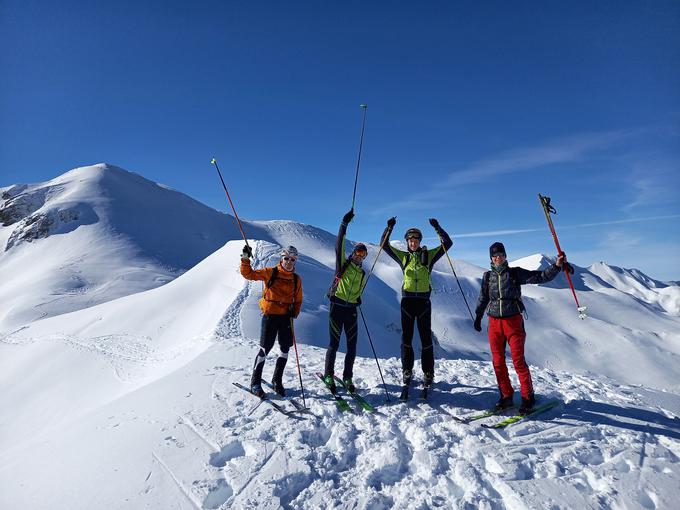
x: 345, y: 297
x: 280, y: 304
x: 501, y: 298
x: 416, y: 263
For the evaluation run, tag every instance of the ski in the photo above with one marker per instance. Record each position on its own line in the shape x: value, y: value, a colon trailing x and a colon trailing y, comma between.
x: 265, y: 399
x: 519, y: 417
x: 342, y: 403
x: 298, y: 406
x: 359, y: 399
x: 481, y: 416
x: 423, y: 392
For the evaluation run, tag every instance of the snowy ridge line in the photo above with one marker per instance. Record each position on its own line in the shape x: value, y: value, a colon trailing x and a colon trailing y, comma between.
x: 230, y: 326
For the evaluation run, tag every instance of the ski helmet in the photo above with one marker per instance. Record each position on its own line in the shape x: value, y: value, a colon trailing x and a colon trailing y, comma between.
x: 496, y: 249
x: 413, y: 232
x: 289, y: 251
x: 360, y: 248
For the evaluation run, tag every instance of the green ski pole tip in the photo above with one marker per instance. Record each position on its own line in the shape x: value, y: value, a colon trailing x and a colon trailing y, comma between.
x: 213, y: 161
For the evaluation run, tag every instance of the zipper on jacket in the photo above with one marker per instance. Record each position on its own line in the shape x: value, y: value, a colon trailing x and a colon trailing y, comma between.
x: 500, y: 294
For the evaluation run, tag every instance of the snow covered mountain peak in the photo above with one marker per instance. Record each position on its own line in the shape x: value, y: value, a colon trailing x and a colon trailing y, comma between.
x: 122, y: 332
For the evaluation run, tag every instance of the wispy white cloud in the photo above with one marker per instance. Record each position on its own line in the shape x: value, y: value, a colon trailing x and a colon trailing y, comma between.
x: 562, y: 150
x: 494, y: 233
x: 654, y: 183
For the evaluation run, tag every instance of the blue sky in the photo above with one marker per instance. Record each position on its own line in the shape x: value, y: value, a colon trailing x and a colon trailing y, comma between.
x: 473, y: 110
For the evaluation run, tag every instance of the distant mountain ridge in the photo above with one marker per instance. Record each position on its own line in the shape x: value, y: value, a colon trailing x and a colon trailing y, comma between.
x: 146, y: 235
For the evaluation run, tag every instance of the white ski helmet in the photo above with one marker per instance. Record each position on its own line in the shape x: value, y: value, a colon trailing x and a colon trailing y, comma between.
x: 289, y: 251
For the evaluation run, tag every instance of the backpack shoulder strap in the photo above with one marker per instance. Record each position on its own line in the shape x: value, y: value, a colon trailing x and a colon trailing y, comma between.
x: 272, y: 278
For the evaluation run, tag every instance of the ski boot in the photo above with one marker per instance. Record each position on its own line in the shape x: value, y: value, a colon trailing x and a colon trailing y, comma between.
x: 407, y: 382
x: 256, y: 389
x: 330, y: 382
x: 503, y: 403
x: 349, y: 385
x: 278, y: 387
x: 527, y: 404
x: 427, y: 384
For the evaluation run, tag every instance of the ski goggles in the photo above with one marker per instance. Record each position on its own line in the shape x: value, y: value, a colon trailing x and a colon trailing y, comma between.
x: 360, y: 253
x: 289, y: 259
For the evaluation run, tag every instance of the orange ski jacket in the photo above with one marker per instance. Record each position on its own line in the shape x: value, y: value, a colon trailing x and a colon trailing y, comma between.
x: 282, y: 295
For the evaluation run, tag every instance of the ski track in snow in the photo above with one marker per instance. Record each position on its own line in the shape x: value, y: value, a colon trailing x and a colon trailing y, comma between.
x: 584, y: 453
x: 597, y: 454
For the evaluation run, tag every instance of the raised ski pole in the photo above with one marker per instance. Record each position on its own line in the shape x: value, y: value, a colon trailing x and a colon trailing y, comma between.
x: 374, y: 354
x: 547, y: 210
x: 457, y: 281
x: 364, y: 107
x: 297, y: 361
x: 375, y: 261
x: 214, y: 162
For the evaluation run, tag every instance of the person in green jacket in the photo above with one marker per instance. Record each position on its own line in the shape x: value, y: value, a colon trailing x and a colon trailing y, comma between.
x: 416, y: 308
x: 345, y: 296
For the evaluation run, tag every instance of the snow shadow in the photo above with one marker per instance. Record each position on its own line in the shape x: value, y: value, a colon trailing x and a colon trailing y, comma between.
x: 599, y: 413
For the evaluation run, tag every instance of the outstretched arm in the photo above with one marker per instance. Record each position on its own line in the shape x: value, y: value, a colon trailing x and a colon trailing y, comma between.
x: 525, y: 276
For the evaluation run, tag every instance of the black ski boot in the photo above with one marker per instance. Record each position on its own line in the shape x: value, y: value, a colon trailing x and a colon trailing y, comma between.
x: 404, y: 393
x: 278, y: 387
x: 427, y: 384
x: 256, y: 389
x: 277, y: 378
x: 407, y: 374
x: 504, y: 403
x: 527, y: 404
x: 349, y: 385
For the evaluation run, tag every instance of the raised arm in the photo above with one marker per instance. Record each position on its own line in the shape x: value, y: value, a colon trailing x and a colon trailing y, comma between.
x: 397, y: 255
x: 437, y: 253
x: 340, y: 241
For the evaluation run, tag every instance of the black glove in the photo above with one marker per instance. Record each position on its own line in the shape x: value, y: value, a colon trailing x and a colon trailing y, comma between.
x: 348, y: 217
x: 435, y: 224
x: 392, y: 222
x: 247, y: 252
x: 478, y: 323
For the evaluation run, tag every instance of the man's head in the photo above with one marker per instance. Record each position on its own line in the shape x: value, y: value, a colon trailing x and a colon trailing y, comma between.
x: 413, y: 237
x: 289, y: 256
x: 359, y: 253
x: 497, y: 253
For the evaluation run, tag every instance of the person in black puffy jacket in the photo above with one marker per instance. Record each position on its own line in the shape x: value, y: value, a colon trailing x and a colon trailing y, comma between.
x: 501, y: 298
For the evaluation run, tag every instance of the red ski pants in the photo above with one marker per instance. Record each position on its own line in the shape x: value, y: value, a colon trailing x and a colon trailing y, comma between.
x: 509, y: 330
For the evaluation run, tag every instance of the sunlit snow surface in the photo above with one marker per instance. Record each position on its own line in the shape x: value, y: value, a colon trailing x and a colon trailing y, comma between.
x: 129, y: 403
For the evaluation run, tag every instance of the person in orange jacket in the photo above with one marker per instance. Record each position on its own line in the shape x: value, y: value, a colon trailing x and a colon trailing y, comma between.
x: 280, y: 304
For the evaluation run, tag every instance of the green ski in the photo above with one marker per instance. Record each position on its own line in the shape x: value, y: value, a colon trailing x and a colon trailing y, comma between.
x: 342, y: 403
x: 485, y: 414
x: 514, y: 419
x: 359, y: 399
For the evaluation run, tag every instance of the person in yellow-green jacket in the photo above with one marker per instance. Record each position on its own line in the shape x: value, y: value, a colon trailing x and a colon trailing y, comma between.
x: 345, y: 297
x: 416, y: 263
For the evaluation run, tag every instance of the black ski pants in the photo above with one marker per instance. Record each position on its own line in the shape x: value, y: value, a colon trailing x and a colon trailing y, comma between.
x: 273, y: 326
x: 342, y: 317
x: 415, y: 310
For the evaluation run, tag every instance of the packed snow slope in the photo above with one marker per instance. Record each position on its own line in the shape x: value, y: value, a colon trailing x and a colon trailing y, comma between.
x: 129, y: 404
x: 99, y: 232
